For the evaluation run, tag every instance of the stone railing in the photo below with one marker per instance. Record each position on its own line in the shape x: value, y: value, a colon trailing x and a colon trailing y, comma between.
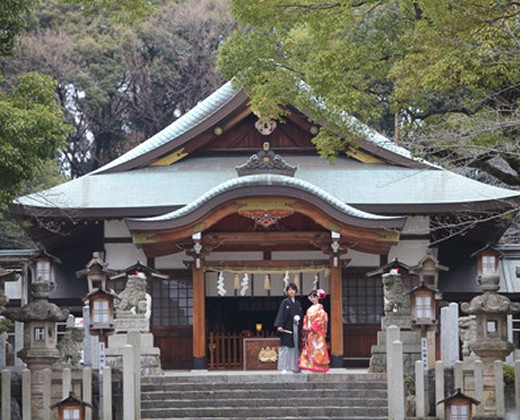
x: 418, y: 395
x: 109, y: 403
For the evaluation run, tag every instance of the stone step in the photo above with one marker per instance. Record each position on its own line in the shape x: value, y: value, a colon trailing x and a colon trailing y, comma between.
x: 274, y: 418
x: 264, y: 395
x: 264, y: 377
x: 266, y: 412
x: 213, y: 394
x: 256, y: 386
x: 257, y: 402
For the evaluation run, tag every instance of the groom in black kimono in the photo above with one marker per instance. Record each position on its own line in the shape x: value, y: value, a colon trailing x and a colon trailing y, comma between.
x: 288, y: 325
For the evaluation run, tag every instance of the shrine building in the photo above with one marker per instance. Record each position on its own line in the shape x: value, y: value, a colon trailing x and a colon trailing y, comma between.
x: 228, y: 209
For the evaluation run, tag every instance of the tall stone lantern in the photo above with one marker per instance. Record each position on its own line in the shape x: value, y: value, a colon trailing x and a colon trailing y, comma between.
x: 40, y: 342
x: 490, y: 310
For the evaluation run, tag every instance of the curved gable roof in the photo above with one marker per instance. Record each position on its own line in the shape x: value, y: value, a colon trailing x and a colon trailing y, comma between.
x: 219, y: 105
x: 274, y: 185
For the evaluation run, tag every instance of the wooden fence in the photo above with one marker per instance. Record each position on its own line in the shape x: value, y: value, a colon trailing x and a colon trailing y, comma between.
x: 225, y: 349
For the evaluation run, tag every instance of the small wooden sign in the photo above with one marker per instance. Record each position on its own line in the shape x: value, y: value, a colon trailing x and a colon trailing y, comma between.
x: 261, y: 353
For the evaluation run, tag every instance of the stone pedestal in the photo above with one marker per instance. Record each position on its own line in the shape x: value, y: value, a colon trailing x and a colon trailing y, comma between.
x: 411, y: 352
x: 150, y: 355
x: 403, y: 321
x: 126, y: 322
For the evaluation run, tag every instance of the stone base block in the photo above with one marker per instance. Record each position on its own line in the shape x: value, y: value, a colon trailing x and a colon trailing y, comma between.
x: 402, y: 321
x: 127, y: 321
x: 411, y: 352
x: 120, y: 340
x: 150, y: 364
x: 150, y: 356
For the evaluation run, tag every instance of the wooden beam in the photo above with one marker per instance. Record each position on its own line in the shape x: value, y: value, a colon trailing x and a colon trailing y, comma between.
x: 267, y: 265
x: 336, y: 315
x: 267, y: 237
x: 199, y: 317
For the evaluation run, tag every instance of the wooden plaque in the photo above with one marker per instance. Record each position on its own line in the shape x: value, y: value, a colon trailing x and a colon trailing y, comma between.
x: 261, y: 353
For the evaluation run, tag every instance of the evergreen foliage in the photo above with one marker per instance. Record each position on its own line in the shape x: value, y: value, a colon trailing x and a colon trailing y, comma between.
x: 447, y: 69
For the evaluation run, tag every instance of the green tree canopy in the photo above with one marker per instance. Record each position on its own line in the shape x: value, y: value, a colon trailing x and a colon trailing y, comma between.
x: 31, y: 130
x: 447, y: 68
x: 120, y: 84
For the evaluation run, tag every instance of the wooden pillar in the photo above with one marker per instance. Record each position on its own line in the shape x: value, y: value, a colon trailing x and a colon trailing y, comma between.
x: 199, y: 316
x: 336, y: 313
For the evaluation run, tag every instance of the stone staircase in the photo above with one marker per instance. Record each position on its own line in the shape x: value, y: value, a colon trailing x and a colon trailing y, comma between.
x: 339, y: 394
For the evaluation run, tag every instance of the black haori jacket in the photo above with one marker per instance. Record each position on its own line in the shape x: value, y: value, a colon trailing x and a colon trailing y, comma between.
x: 288, y: 309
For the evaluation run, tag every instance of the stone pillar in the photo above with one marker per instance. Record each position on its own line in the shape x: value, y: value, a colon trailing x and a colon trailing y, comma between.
x: 128, y: 382
x: 395, y: 376
x: 3, y: 342
x: 449, y: 334
x: 87, y: 338
x: 18, y: 342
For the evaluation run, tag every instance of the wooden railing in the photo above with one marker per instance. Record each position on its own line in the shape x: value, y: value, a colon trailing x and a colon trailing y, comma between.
x: 226, y: 348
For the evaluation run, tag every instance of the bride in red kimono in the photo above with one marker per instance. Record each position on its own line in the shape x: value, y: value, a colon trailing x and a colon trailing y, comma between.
x: 315, y: 357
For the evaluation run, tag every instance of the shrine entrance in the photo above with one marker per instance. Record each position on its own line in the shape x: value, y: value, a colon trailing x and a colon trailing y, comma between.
x: 240, y: 312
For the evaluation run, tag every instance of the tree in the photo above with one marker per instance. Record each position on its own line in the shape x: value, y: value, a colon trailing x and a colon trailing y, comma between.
x: 12, y: 15
x: 447, y: 68
x: 46, y: 176
x: 120, y: 84
x: 31, y: 130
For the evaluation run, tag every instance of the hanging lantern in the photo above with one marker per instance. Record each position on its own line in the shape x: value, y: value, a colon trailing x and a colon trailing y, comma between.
x: 267, y: 282
x: 236, y: 282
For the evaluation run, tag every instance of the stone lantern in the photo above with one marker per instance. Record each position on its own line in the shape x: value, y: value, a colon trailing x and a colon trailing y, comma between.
x: 71, y: 408
x: 428, y: 270
x: 40, y: 342
x: 458, y: 406
x: 96, y: 272
x: 424, y: 310
x: 490, y: 310
x: 424, y: 305
x: 101, y: 305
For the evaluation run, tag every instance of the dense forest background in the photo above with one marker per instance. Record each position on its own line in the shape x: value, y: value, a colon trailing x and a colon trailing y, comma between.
x: 117, y: 81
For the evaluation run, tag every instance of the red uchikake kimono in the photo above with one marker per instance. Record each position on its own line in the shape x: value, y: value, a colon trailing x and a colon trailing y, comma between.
x: 315, y: 356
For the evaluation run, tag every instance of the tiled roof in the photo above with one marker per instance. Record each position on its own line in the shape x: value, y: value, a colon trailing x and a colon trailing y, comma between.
x: 270, y: 180
x: 209, y: 106
x: 351, y: 182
